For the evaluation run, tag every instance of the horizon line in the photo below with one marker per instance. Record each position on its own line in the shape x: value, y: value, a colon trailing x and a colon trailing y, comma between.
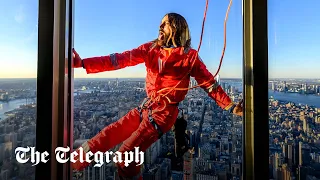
x: 145, y: 77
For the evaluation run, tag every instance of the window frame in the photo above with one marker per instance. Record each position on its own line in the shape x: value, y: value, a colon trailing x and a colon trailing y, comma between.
x: 54, y: 124
x: 55, y: 87
x: 255, y: 75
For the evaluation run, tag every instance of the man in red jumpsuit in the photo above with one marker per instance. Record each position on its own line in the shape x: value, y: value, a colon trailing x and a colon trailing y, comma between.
x: 170, y: 62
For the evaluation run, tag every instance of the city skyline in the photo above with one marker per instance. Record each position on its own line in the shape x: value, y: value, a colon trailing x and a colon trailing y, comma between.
x: 98, y: 33
x: 130, y: 77
x: 216, y: 135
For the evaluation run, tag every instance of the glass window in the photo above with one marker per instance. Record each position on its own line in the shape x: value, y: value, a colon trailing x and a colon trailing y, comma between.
x: 294, y: 89
x: 101, y: 99
x: 18, y: 75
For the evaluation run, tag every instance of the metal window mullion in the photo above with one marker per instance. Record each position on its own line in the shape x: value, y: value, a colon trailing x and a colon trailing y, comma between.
x: 69, y: 35
x: 44, y: 86
x: 260, y: 88
x: 255, y: 69
x: 61, y: 89
x: 248, y: 136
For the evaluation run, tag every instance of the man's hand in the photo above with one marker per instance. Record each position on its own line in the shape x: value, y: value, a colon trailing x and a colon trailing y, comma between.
x: 77, y: 61
x: 238, y: 110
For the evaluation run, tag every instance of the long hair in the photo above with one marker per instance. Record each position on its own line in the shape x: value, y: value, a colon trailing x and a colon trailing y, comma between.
x: 181, y: 36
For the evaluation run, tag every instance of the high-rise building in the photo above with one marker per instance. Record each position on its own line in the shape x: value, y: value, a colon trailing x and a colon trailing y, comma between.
x: 305, y: 125
x: 286, y: 173
x: 117, y: 82
x: 285, y: 152
x: 302, y: 173
x: 13, y: 139
x: 305, y: 156
x: 317, y: 89
x: 153, y: 173
x: 273, y: 86
x: 236, y: 169
x: 188, y: 165
x: 177, y: 175
x: 233, y: 89
x: 224, y: 86
x: 296, y: 153
x: 94, y: 173
x: 278, y: 161
x: 5, y: 175
x: 317, y: 119
x: 300, y: 153
x: 165, y: 168
x: 285, y: 86
x: 206, y: 177
x: 305, y: 88
x: 290, y: 155
x: 152, y: 153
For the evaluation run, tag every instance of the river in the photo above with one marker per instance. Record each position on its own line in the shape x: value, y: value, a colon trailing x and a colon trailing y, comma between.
x: 311, y: 100
x: 11, y: 105
x: 296, y: 98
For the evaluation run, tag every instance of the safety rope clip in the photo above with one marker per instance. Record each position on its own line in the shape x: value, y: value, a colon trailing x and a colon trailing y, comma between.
x: 150, y: 118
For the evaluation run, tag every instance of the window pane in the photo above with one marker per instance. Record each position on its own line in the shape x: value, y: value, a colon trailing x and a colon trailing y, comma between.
x: 294, y: 89
x: 101, y: 99
x: 18, y: 72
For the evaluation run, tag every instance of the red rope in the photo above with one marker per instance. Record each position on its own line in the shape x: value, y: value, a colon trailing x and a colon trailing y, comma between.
x: 203, y: 22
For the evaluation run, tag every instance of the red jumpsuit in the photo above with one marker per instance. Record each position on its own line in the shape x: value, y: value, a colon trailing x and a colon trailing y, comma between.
x: 165, y: 68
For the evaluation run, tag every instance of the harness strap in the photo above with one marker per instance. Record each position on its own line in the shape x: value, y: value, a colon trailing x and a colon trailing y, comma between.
x: 142, y: 106
x: 155, y: 125
x: 150, y: 118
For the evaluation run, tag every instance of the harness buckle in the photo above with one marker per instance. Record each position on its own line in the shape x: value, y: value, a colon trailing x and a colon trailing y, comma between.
x: 150, y: 118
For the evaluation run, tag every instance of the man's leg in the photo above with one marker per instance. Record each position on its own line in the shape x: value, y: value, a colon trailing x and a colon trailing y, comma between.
x: 143, y: 138
x: 110, y: 136
x: 180, y: 136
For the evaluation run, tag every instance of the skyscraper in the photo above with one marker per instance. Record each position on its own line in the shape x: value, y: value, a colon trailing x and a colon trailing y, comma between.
x: 272, y: 86
x: 94, y: 173
x: 188, y: 165
x: 290, y: 155
x: 300, y: 153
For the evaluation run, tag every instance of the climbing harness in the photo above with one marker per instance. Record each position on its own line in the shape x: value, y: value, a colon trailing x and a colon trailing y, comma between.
x: 143, y: 106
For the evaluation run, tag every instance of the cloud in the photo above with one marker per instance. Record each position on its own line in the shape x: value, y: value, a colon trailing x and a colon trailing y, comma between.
x: 20, y: 15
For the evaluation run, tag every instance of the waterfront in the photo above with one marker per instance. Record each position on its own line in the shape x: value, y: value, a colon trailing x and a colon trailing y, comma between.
x: 311, y: 100
x: 11, y: 105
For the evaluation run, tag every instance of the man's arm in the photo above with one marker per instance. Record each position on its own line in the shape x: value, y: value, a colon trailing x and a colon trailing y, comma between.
x: 211, y: 86
x: 117, y: 60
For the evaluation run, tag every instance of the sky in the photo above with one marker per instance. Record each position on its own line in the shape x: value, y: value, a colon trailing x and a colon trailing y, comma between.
x: 104, y: 27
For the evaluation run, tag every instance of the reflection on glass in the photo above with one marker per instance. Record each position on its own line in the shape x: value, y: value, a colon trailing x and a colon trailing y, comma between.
x: 18, y: 72
x: 294, y: 89
x: 103, y: 98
